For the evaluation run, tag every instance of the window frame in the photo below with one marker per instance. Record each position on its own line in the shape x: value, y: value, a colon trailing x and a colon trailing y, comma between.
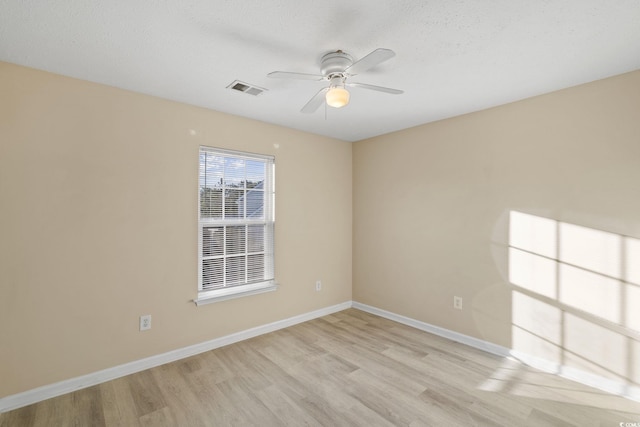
x: 268, y: 284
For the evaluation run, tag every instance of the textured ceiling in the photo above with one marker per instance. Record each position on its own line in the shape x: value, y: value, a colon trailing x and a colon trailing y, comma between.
x: 452, y: 56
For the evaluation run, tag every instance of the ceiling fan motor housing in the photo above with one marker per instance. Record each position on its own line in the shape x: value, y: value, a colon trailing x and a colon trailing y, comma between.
x: 335, y: 63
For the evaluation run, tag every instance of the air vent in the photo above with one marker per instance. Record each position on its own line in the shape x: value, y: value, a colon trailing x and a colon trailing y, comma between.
x: 246, y: 88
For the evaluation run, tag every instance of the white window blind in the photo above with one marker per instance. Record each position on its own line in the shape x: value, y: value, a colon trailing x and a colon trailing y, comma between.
x: 235, y: 223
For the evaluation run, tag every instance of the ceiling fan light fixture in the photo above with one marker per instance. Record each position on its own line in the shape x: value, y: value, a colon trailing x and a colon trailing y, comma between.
x: 337, y: 97
x: 336, y: 67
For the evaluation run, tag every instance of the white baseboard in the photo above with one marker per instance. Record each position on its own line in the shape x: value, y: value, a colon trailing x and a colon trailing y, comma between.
x: 608, y: 385
x: 436, y: 330
x: 605, y: 384
x: 52, y: 390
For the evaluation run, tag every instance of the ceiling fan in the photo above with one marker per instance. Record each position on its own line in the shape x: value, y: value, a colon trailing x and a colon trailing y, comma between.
x: 336, y: 67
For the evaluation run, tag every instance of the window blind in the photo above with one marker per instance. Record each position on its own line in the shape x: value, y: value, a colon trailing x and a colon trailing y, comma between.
x: 235, y: 219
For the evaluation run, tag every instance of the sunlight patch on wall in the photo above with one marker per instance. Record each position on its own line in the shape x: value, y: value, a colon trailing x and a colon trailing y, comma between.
x: 537, y: 328
x: 591, y: 292
x: 594, y: 250
x: 533, y: 234
x: 600, y: 349
x: 631, y: 260
x: 576, y: 297
x: 533, y: 272
x: 632, y: 306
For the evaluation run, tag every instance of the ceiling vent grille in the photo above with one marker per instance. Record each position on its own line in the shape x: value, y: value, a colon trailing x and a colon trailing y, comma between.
x: 246, y: 88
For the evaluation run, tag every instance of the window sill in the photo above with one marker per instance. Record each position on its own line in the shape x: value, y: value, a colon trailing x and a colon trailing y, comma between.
x: 217, y: 295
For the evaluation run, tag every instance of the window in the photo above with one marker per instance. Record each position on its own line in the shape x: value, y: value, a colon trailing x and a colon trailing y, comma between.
x: 235, y: 225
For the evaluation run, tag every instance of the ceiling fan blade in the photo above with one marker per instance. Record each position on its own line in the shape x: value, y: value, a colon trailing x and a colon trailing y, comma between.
x: 315, y: 102
x: 378, y: 88
x: 371, y: 60
x: 290, y: 75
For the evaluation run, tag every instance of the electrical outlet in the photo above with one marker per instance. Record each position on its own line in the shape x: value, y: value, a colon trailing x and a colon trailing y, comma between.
x: 457, y: 303
x: 145, y: 322
x: 318, y: 285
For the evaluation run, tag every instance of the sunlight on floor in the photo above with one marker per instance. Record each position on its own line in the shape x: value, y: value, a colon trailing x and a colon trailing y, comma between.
x: 518, y: 380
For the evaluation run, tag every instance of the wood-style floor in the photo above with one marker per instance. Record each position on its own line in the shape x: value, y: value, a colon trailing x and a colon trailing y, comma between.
x: 347, y: 369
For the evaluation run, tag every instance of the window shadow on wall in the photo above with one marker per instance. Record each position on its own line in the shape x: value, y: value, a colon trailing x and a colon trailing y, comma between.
x: 576, y: 301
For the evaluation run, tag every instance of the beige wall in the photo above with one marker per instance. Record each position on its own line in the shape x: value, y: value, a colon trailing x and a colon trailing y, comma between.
x: 98, y: 225
x: 435, y: 207
x: 98, y: 191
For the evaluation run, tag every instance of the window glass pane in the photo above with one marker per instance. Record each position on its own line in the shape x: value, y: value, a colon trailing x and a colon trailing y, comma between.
x: 211, y: 169
x: 236, y: 240
x: 210, y: 202
x: 234, y: 204
x: 235, y: 271
x: 210, y: 185
x: 254, y: 203
x: 234, y: 172
x: 256, y: 172
x: 255, y: 238
x: 255, y: 267
x: 212, y: 273
x: 212, y: 241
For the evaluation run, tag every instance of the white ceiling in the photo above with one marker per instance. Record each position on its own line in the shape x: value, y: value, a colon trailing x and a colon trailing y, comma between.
x: 452, y: 56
